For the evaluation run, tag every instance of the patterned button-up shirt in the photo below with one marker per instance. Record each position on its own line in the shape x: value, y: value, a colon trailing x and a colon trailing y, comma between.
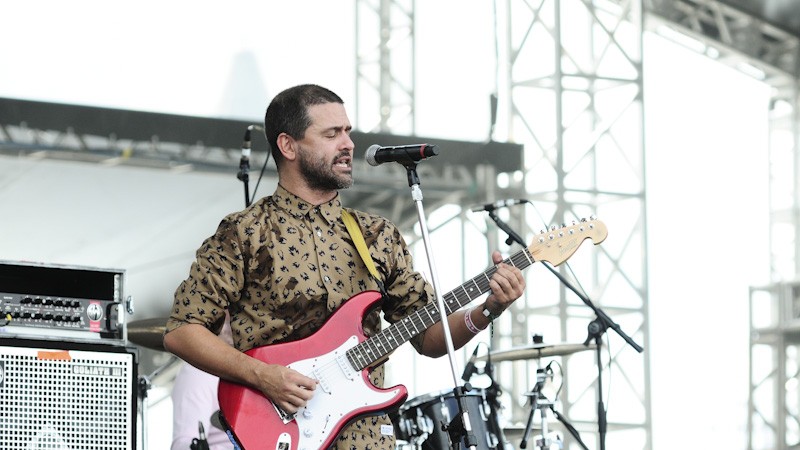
x: 283, y: 266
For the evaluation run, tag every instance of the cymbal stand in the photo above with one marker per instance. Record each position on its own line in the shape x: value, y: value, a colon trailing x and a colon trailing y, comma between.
x: 541, y: 403
x: 144, y: 386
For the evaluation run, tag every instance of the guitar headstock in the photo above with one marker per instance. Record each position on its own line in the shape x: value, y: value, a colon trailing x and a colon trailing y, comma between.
x: 556, y: 245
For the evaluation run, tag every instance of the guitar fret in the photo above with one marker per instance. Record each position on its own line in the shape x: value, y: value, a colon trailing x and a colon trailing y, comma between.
x: 464, y: 288
x: 397, y: 342
x: 449, y: 302
x: 380, y: 343
x: 414, y: 325
x: 404, y: 326
x: 476, y: 286
x: 373, y: 348
x: 356, y: 357
x: 430, y: 316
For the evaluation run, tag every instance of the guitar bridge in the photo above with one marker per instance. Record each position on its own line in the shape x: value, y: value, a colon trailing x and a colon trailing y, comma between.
x: 285, y: 416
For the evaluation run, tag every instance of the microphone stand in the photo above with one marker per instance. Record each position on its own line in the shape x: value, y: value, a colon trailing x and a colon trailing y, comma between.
x: 244, y: 174
x: 455, y: 429
x: 596, y: 329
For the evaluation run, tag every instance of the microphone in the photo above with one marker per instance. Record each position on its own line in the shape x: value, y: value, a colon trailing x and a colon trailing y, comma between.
x: 244, y: 162
x: 404, y: 154
x: 498, y: 204
x: 469, y: 369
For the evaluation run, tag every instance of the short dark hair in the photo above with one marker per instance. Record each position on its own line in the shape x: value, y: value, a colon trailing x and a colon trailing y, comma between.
x: 288, y: 113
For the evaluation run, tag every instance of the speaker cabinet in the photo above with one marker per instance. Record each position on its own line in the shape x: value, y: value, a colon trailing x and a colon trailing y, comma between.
x: 58, y: 395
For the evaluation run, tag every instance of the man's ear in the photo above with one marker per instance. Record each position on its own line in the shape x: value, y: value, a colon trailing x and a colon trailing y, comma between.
x: 287, y: 146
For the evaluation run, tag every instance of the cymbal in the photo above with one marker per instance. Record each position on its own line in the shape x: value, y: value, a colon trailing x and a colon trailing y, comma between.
x: 148, y: 332
x: 535, y: 351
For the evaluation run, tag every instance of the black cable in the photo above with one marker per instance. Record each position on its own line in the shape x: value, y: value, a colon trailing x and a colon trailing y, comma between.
x: 263, y: 168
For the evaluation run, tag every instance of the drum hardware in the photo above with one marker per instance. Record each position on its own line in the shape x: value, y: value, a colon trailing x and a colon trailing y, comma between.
x: 460, y: 428
x: 541, y: 403
x: 417, y: 421
x: 200, y: 442
x: 148, y: 333
x: 145, y: 384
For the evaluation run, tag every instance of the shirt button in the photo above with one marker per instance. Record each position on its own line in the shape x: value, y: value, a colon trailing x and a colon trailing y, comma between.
x: 327, y: 279
x: 319, y: 233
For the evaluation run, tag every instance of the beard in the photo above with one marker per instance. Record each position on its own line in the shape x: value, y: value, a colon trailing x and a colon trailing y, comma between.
x: 319, y: 174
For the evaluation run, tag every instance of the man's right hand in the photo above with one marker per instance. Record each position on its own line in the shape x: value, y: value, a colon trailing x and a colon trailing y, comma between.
x: 287, y: 388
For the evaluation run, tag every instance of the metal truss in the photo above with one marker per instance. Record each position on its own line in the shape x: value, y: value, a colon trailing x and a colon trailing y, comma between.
x: 386, y: 65
x: 774, y: 326
x: 450, y: 179
x: 774, y: 402
x: 573, y: 95
x: 772, y: 55
x: 729, y: 36
x: 769, y: 54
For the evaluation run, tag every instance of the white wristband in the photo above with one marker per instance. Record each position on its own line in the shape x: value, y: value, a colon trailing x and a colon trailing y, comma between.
x: 470, y: 324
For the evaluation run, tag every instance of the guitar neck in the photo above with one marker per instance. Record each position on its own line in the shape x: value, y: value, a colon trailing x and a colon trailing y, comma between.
x: 377, y: 347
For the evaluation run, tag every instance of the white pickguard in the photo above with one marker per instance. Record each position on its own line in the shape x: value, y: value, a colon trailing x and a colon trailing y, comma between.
x: 341, y: 390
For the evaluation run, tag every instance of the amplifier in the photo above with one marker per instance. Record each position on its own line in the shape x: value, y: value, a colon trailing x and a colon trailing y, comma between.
x: 67, y: 396
x: 61, y: 302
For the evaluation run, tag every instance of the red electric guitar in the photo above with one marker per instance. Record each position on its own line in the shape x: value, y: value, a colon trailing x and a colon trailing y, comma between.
x: 339, y: 356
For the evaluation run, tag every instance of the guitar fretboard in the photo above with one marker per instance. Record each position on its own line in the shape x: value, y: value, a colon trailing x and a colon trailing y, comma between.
x: 377, y: 347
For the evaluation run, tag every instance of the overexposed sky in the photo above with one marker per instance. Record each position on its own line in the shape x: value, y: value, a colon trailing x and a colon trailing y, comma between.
x: 706, y: 143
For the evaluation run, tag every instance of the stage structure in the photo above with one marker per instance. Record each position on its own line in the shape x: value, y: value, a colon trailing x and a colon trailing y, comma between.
x: 572, y: 91
x: 587, y: 115
x: 761, y: 39
x: 385, y: 66
x: 183, y: 143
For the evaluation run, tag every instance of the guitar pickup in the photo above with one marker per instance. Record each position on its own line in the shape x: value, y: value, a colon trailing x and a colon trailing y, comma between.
x: 323, y: 382
x: 345, y: 366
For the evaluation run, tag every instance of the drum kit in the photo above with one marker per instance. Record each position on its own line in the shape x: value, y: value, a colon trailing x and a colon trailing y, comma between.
x: 421, y: 422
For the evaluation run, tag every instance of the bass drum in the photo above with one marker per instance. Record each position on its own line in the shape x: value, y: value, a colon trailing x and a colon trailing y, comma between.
x: 419, y: 421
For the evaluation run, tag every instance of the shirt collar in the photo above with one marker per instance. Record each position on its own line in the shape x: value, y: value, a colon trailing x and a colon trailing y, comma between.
x: 330, y: 211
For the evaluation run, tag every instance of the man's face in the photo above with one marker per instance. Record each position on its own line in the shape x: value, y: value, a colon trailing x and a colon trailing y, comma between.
x: 325, y: 154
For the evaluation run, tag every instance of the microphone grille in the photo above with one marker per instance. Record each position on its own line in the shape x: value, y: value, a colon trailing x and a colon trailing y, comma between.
x: 370, y: 155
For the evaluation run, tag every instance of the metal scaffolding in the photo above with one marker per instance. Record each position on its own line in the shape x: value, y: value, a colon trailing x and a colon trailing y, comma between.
x: 572, y: 91
x: 385, y: 66
x: 574, y: 100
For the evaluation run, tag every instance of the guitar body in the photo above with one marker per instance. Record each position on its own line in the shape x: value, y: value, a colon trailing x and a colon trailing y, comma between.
x: 343, y: 393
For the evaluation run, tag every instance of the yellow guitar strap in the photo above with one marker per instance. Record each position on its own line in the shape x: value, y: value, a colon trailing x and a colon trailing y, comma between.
x: 358, y: 239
